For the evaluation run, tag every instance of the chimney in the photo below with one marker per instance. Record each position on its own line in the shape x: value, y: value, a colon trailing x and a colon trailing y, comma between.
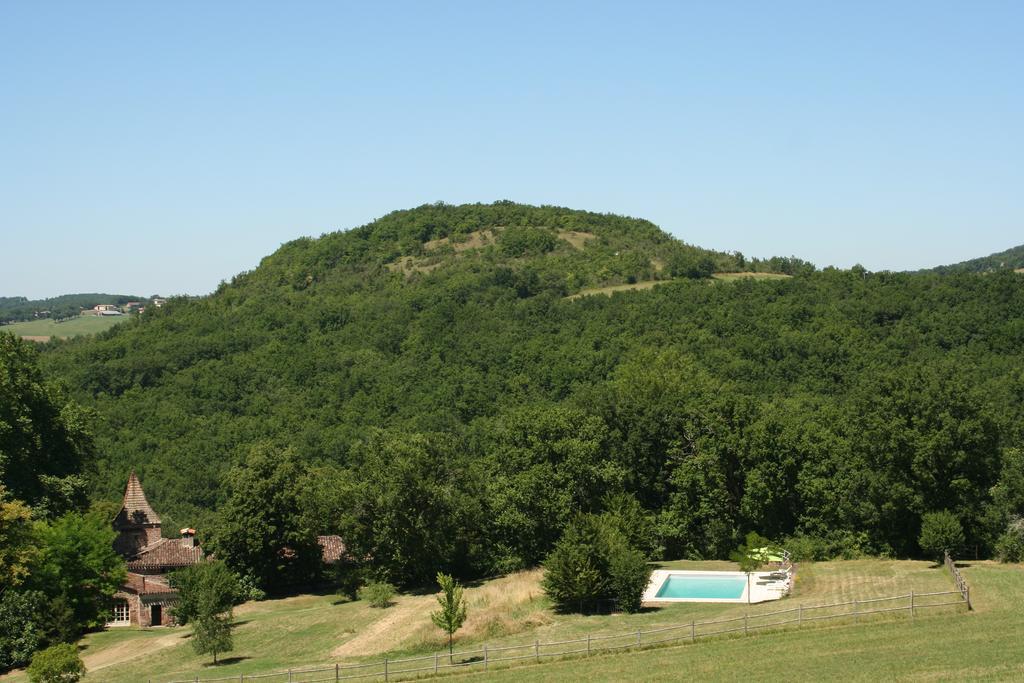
x: 188, y: 537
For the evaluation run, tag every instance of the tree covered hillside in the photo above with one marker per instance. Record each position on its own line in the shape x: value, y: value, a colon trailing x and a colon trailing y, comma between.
x: 1011, y: 259
x: 454, y: 409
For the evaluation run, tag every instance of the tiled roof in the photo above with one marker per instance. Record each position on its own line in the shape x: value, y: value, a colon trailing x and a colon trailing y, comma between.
x: 167, y: 552
x: 332, y: 547
x: 135, y: 509
x: 145, y: 585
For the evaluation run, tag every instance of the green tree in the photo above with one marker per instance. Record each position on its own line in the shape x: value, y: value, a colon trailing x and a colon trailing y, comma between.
x: 211, y: 634
x: 261, y: 530
x: 940, y: 532
x: 56, y: 664
x: 17, y: 542
x: 452, y: 614
x: 419, y: 507
x: 206, y: 588
x: 207, y: 592
x: 77, y: 563
x: 44, y: 442
x: 592, y: 562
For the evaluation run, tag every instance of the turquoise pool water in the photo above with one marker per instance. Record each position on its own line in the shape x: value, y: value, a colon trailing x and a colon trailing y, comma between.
x: 703, y: 587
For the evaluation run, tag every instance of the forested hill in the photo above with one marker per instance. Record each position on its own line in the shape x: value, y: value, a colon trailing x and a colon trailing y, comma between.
x: 435, y: 370
x: 1011, y: 259
x: 16, y: 308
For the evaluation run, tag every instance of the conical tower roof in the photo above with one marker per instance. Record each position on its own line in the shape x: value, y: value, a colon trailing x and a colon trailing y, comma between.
x: 136, y: 509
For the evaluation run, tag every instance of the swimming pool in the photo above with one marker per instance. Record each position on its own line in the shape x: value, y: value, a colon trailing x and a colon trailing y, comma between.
x: 703, y: 586
x: 681, y: 585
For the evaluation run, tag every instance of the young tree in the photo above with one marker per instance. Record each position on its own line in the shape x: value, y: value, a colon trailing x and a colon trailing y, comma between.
x: 452, y: 614
x: 207, y: 592
x: 208, y: 587
x: 751, y: 555
x: 940, y: 532
x: 56, y: 664
x: 211, y: 634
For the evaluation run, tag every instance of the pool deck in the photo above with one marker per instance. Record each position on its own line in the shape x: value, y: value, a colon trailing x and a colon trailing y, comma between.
x: 761, y: 586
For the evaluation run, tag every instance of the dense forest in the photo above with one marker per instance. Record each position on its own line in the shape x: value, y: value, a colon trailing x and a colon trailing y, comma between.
x: 17, y: 308
x: 446, y: 404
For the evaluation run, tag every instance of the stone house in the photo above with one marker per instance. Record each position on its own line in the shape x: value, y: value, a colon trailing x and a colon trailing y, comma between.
x: 146, y: 598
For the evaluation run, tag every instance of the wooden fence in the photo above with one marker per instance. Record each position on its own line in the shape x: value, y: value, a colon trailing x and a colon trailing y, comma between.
x: 486, y: 657
x: 961, y: 584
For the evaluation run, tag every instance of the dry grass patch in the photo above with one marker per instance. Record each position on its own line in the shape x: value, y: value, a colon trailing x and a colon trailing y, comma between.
x: 577, y: 239
x: 610, y: 289
x: 751, y: 276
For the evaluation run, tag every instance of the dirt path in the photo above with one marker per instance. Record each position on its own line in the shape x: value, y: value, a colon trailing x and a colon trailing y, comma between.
x: 128, y: 650
x: 395, y: 624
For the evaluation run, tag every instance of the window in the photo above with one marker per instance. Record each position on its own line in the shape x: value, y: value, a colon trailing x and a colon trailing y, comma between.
x: 121, y: 615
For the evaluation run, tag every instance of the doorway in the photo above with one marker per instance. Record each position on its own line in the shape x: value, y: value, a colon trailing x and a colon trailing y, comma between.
x: 155, y: 615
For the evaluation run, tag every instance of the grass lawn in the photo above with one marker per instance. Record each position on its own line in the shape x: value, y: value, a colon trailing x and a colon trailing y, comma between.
x: 83, y: 324
x: 321, y: 630
x: 984, y: 645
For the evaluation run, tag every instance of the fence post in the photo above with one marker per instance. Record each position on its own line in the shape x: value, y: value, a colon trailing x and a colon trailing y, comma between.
x: 799, y: 615
x: 435, y: 661
x: 967, y: 596
x: 336, y: 671
x: 911, y: 602
x: 385, y: 668
x: 693, y: 631
x: 536, y: 648
x: 856, y: 612
x: 638, y: 637
x: 485, y: 656
x: 289, y: 676
x: 588, y: 643
x: 746, y: 618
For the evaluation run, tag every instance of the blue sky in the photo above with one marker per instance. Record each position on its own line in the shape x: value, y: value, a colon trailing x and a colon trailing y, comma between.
x: 162, y: 147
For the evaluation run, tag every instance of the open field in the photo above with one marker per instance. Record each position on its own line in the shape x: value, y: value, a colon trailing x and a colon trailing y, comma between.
x: 750, y: 276
x: 321, y: 630
x: 83, y: 324
x: 646, y: 284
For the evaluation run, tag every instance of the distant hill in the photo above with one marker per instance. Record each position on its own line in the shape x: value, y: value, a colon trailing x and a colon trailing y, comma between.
x: 1011, y: 259
x: 18, y: 308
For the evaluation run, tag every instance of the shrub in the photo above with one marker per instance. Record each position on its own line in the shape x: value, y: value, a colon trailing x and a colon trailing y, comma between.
x: 56, y: 664
x: 846, y: 545
x: 377, y: 593
x: 22, y: 624
x: 1010, y: 546
x: 594, y: 561
x: 940, y: 531
x: 523, y: 241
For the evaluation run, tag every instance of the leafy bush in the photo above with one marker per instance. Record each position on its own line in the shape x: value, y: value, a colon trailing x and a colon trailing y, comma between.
x: 594, y: 561
x: 526, y: 241
x: 846, y: 545
x: 56, y: 664
x: 940, y: 531
x: 22, y: 623
x: 1010, y: 546
x: 377, y: 593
